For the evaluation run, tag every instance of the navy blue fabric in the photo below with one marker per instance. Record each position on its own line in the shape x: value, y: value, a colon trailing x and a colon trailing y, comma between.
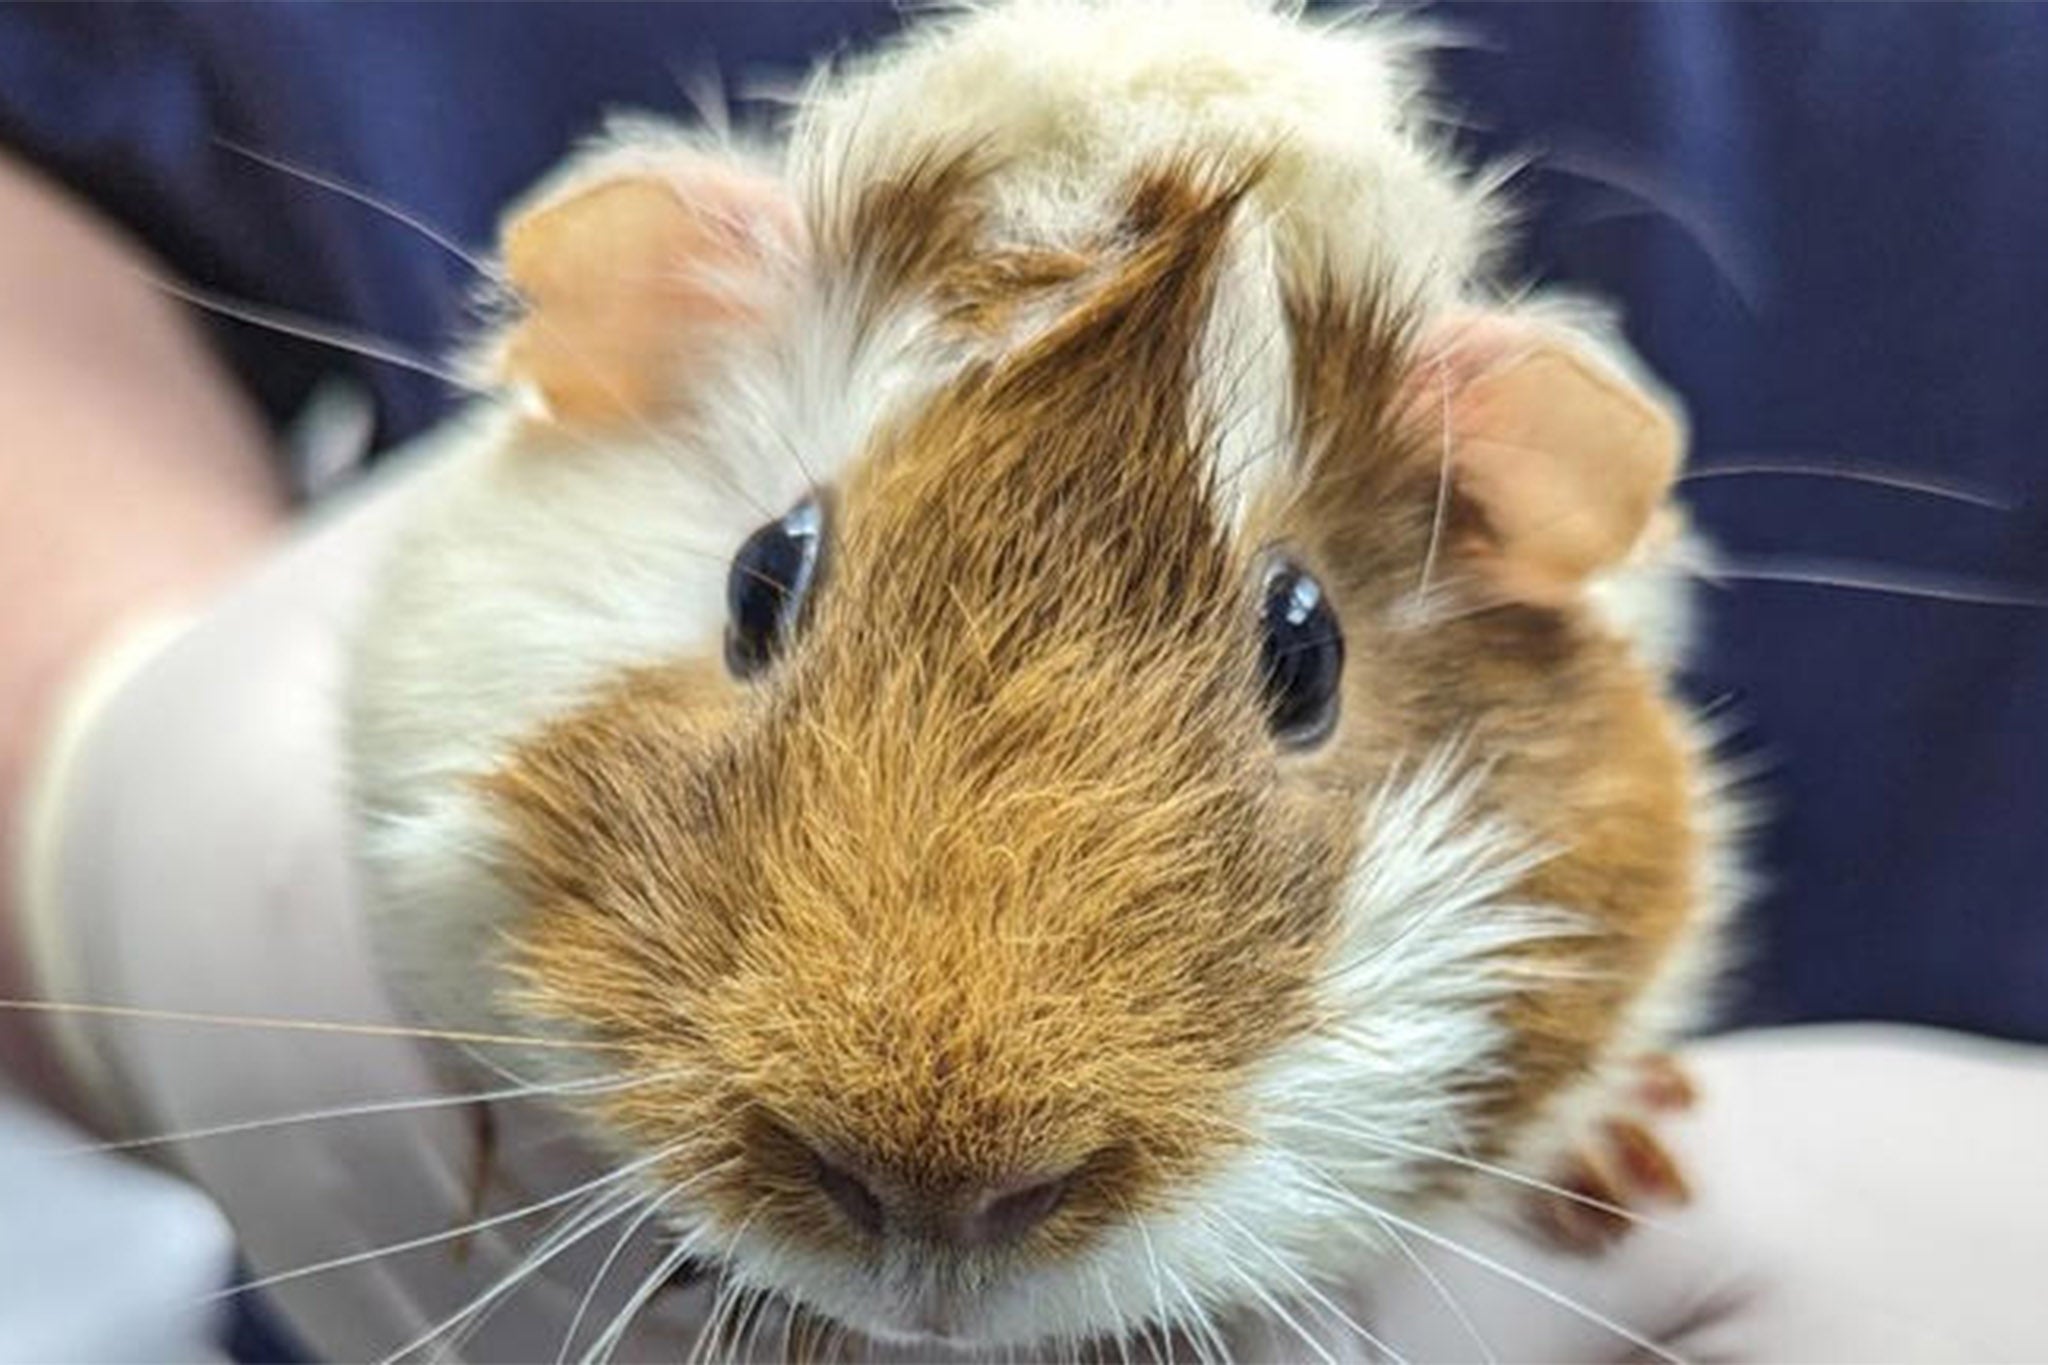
x: 1826, y: 224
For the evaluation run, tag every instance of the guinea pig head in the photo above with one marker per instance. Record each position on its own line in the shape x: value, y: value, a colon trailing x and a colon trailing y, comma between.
x: 1092, y: 880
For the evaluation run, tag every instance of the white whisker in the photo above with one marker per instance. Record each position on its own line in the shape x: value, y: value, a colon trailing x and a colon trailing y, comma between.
x: 450, y: 1234
x: 1158, y: 1284
x: 1203, y: 1336
x: 1508, y: 1272
x: 1879, y: 478
x: 1118, y: 1317
x: 1321, y: 1176
x: 1438, y: 1287
x: 1826, y: 573
x: 649, y: 1286
x: 556, y: 1224
x: 312, y: 329
x: 1258, y: 1244
x: 1443, y: 485
x: 1279, y: 1312
x: 722, y: 1301
x: 1474, y: 1164
x: 604, y: 1208
x: 302, y: 1025
x: 336, y: 185
x: 653, y: 1207
x: 1712, y: 238
x: 764, y: 1308
x: 371, y: 348
x: 409, y: 1106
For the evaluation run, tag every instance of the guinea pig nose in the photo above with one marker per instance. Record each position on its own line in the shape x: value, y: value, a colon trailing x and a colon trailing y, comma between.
x: 1005, y: 1211
x: 850, y: 1193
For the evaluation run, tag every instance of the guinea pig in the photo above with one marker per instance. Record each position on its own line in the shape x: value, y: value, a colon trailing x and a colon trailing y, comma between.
x: 1053, y: 668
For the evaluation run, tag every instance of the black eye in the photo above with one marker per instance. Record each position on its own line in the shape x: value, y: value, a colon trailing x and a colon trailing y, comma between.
x: 770, y: 580
x: 1302, y: 656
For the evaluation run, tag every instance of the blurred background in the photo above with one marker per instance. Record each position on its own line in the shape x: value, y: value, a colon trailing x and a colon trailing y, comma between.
x: 1826, y: 227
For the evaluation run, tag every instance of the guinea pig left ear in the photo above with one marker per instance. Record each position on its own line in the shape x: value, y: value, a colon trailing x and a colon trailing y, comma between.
x: 639, y: 258
x: 1565, y: 449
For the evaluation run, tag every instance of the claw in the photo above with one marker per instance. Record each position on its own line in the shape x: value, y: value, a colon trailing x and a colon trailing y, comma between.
x: 1618, y: 1168
x: 1590, y: 1213
x: 1647, y: 1168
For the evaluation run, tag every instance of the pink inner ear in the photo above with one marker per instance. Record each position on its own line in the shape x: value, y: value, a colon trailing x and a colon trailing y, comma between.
x: 624, y: 276
x: 1566, y: 456
x: 1466, y: 345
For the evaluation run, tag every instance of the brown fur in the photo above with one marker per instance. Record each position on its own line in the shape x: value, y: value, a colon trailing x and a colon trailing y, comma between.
x: 1586, y: 753
x: 988, y: 879
x: 998, y: 871
x: 922, y: 234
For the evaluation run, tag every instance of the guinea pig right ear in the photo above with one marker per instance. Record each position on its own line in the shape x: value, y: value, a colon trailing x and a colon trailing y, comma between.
x: 632, y: 259
x: 1565, y: 448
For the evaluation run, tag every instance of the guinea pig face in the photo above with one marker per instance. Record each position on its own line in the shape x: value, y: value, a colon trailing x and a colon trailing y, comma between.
x: 1098, y: 863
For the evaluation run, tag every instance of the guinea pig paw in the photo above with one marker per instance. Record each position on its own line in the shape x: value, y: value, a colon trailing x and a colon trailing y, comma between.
x: 1596, y: 1196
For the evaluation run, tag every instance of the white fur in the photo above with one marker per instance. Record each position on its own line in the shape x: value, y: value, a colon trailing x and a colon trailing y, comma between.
x: 533, y: 575
x: 1075, y: 99
x: 1245, y: 387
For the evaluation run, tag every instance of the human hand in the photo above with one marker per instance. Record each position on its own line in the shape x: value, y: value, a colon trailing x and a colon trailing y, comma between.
x: 1861, y: 1193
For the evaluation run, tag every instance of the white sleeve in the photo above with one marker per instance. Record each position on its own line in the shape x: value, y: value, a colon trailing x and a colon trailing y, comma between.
x: 189, y: 854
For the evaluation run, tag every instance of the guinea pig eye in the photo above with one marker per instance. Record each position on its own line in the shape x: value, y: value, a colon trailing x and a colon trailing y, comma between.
x: 1302, y: 656
x: 769, y: 583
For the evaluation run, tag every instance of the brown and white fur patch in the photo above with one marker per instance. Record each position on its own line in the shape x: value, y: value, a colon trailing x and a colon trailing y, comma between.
x: 1077, y: 315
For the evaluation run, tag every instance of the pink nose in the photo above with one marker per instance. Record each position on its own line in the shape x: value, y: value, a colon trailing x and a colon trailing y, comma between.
x: 987, y: 1214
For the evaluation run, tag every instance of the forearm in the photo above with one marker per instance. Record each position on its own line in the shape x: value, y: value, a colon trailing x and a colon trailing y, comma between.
x: 133, y: 477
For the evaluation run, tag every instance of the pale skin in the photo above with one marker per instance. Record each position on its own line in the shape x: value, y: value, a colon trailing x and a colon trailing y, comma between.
x: 134, y: 477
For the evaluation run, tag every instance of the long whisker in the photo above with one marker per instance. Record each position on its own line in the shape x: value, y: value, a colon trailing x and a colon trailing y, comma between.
x: 1715, y: 243
x: 1881, y: 478
x: 732, y: 1321
x: 722, y: 1301
x: 1535, y: 1286
x: 560, y: 1222
x: 1259, y: 1245
x: 1437, y: 1287
x: 1203, y: 1337
x: 1119, y: 1317
x: 301, y: 1025
x: 1443, y: 486
x: 309, y: 329
x: 450, y: 1234
x: 371, y: 348
x: 615, y: 1332
x: 586, y: 1221
x: 1280, y: 1313
x: 1474, y: 1164
x: 1827, y: 573
x: 409, y: 1106
x: 654, y: 1206
x: 1322, y: 1177
x: 1158, y: 1283
x: 356, y: 193
x: 760, y: 1308
x: 1508, y: 1272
